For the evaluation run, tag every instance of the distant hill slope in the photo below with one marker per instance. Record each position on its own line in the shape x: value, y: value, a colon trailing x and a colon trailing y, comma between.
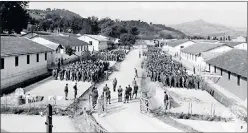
x: 203, y: 28
x: 154, y: 30
x: 146, y: 30
x: 40, y: 14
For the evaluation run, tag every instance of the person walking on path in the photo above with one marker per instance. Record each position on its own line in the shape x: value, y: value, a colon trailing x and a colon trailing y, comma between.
x: 126, y: 95
x: 136, y: 73
x: 66, y: 91
x: 108, y: 96
x: 114, y: 84
x: 130, y: 92
x: 75, y: 90
x: 120, y: 90
x: 166, y: 101
x: 135, y: 90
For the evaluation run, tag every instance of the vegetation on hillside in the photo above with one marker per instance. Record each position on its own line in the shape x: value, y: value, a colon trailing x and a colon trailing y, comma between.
x: 65, y: 21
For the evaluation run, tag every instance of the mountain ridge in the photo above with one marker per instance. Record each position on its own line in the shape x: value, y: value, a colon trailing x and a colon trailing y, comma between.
x: 201, y: 27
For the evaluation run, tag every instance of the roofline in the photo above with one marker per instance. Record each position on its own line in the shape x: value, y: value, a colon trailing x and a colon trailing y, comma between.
x: 227, y: 70
x: 95, y: 38
x: 65, y: 44
x: 217, y: 47
x: 207, y: 50
x: 9, y: 55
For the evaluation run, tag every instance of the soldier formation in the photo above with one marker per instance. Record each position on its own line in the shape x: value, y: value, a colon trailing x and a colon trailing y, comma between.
x: 160, y: 67
x: 113, y: 55
x: 88, y: 70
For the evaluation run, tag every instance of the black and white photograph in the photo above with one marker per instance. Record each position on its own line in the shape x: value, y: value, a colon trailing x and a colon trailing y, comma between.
x: 123, y: 66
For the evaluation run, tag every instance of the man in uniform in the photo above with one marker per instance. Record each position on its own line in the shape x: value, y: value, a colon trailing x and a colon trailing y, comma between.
x: 135, y: 90
x: 134, y: 82
x: 75, y: 90
x: 120, y: 90
x: 166, y: 100
x: 102, y: 103
x: 114, y: 84
x: 66, y: 91
x: 94, y: 97
x: 136, y: 72
x: 126, y: 95
x: 130, y: 92
x: 54, y: 73
x: 108, y: 96
x: 105, y: 88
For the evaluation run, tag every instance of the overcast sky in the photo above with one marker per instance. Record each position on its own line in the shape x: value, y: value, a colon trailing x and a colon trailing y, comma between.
x: 227, y: 13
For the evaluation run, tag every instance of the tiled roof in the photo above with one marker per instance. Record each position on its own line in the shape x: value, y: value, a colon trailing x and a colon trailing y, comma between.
x: 65, y: 40
x: 234, y: 61
x: 176, y: 42
x: 232, y: 44
x: 207, y: 41
x: 11, y: 46
x: 200, y: 47
x: 97, y: 37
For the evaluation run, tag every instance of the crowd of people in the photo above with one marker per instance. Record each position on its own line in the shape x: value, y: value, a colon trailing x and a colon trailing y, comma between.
x: 113, y: 55
x: 127, y: 95
x: 86, y: 70
x: 162, y: 68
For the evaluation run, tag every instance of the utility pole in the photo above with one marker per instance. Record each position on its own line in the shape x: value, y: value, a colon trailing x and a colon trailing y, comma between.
x: 48, y: 122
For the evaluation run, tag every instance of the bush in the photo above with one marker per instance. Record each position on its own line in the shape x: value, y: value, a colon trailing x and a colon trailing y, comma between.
x: 211, y: 118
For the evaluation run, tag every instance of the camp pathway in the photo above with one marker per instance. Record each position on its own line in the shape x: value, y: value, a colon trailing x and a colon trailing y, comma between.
x: 122, y: 117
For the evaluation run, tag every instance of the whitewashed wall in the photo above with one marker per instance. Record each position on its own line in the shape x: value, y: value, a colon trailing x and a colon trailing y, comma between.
x: 12, y: 74
x: 232, y: 84
x: 241, y: 46
x: 96, y: 45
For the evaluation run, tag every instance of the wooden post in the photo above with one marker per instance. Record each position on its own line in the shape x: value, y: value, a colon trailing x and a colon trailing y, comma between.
x: 49, y: 119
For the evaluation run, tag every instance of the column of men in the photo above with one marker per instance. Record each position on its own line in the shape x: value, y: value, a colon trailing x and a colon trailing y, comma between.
x: 105, y: 97
x: 82, y: 71
x: 160, y: 67
x: 113, y: 55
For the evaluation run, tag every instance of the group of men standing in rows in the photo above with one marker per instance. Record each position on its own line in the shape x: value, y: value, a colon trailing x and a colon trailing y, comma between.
x: 87, y: 70
x: 160, y: 67
x: 113, y: 55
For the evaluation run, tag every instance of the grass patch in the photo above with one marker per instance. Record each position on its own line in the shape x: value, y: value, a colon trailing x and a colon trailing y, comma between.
x: 188, y: 116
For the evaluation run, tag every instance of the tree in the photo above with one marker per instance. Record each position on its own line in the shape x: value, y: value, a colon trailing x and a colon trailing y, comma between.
x: 95, y: 29
x: 14, y: 15
x: 48, y: 9
x: 127, y: 39
x: 69, y: 51
x: 76, y: 25
x: 134, y: 31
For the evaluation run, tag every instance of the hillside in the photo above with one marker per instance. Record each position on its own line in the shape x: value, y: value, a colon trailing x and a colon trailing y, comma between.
x: 203, y: 28
x: 146, y: 30
x: 40, y: 14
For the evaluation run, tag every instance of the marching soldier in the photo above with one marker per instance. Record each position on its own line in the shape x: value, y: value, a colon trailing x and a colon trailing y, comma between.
x: 119, y: 94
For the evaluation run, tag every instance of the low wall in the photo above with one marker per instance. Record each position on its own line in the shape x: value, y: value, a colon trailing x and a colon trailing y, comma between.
x: 23, y: 80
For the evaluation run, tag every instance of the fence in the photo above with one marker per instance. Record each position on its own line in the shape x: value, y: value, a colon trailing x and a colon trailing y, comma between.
x: 93, y: 125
